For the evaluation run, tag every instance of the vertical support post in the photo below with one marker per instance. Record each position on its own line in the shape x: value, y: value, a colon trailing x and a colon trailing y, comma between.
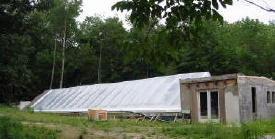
x: 175, y: 119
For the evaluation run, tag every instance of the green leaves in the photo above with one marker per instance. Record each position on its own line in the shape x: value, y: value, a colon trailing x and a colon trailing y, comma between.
x: 215, y: 4
x: 226, y: 2
x: 175, y: 12
x: 141, y: 10
x: 217, y: 16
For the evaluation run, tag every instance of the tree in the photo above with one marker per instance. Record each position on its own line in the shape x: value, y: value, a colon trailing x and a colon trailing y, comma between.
x: 62, y: 18
x: 53, y: 68
x: 28, y: 33
x: 183, y: 20
x: 17, y: 41
x: 105, y: 37
x: 177, y: 13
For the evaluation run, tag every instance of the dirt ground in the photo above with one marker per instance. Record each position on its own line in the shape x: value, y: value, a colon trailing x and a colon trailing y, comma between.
x: 70, y: 132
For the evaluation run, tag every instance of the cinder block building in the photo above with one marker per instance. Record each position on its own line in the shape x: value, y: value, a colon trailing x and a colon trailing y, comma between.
x: 228, y: 98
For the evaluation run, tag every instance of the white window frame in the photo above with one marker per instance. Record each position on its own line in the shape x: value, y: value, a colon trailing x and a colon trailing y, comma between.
x: 208, y: 119
x: 271, y: 102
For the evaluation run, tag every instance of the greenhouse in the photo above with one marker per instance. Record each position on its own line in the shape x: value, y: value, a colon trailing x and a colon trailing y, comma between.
x: 158, y: 94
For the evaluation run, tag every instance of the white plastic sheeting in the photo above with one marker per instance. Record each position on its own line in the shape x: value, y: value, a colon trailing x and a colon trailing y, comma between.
x: 158, y: 94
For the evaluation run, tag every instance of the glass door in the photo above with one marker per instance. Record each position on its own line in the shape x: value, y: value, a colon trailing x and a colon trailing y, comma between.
x: 208, y: 103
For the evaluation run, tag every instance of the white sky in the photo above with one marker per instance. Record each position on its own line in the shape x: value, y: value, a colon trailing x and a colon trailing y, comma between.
x: 239, y: 10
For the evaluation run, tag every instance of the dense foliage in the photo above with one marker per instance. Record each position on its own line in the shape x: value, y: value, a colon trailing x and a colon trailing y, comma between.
x: 177, y: 13
x: 35, y: 35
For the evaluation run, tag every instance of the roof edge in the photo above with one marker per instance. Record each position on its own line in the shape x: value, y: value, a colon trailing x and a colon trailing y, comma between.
x: 205, y: 73
x: 212, y: 78
x: 39, y: 97
x: 258, y: 77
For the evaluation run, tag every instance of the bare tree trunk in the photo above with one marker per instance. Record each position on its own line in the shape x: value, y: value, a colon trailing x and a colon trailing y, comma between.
x: 54, y: 53
x: 63, y: 57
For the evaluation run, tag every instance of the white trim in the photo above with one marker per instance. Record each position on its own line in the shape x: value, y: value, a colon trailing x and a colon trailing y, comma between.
x: 208, y: 106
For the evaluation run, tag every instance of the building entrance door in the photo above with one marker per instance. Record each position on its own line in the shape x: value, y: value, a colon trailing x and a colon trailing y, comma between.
x: 208, y: 106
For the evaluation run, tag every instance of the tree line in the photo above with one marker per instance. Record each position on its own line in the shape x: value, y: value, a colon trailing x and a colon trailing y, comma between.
x: 43, y: 47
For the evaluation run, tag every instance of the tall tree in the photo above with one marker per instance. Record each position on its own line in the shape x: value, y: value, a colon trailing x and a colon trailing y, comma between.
x: 105, y: 37
x: 63, y: 22
x: 54, y: 61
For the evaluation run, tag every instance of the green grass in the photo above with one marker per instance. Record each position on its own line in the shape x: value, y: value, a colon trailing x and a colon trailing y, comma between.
x: 250, y: 130
x: 207, y: 130
x: 145, y: 128
x: 12, y: 129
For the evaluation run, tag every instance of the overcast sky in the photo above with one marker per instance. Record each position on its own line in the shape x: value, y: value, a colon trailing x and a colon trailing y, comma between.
x: 231, y: 14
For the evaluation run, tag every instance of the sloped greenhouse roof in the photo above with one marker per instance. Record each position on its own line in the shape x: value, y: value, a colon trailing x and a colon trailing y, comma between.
x: 158, y: 94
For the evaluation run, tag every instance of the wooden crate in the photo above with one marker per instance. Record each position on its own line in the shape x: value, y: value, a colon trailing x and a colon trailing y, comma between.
x: 98, y: 115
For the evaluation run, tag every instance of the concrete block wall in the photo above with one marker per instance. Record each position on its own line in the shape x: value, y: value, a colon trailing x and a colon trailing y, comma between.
x: 263, y: 109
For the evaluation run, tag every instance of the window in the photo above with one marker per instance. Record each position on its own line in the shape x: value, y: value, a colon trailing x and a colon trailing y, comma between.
x: 268, y: 97
x: 273, y: 97
x: 214, y: 105
x: 253, y: 91
x: 208, y: 102
x: 203, y: 105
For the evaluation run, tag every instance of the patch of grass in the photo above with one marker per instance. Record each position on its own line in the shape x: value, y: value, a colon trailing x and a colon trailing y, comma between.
x: 215, y: 131
x: 249, y: 130
x: 29, y: 116
x: 266, y: 126
x: 193, y: 130
x: 178, y: 129
x: 10, y: 129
